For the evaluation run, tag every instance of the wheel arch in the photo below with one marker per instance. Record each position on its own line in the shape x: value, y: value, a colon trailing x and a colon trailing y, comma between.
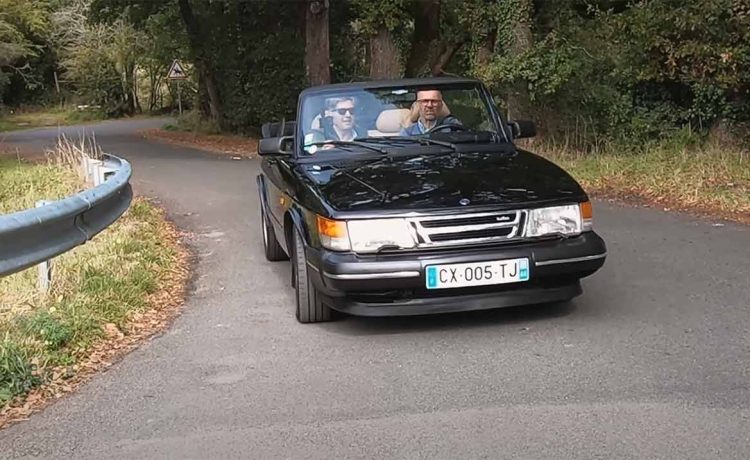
x: 260, y: 180
x: 294, y: 221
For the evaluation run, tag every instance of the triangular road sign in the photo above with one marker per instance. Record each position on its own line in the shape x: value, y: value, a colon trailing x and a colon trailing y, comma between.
x: 176, y: 72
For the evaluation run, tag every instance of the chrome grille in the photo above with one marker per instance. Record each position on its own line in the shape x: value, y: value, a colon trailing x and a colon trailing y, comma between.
x: 437, y: 231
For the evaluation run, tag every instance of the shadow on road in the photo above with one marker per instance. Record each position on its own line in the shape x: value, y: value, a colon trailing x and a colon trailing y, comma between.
x: 360, y: 326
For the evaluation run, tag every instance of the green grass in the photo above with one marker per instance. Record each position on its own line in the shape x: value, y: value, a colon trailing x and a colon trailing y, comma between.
x: 42, y: 117
x: 710, y: 179
x: 23, y: 184
x: 95, y: 287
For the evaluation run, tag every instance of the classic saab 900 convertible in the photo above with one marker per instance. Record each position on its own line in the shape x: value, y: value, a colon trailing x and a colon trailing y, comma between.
x: 411, y: 197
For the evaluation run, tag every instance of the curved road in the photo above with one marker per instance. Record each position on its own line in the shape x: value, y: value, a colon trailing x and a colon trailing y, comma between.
x: 652, y: 361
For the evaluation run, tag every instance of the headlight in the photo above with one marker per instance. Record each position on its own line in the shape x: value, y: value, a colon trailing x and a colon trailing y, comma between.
x: 371, y: 235
x: 364, y: 236
x: 333, y: 234
x: 564, y: 220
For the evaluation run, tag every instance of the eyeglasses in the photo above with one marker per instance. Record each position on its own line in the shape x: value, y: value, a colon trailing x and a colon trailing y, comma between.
x: 431, y: 101
x: 345, y: 111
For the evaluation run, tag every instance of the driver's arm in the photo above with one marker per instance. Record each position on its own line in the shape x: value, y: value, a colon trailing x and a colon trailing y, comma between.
x: 450, y: 119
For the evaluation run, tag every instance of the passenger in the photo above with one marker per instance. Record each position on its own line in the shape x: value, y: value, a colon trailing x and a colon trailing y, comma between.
x: 428, y: 111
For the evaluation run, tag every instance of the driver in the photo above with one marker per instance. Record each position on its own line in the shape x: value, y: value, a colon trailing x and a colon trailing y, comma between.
x: 431, y: 112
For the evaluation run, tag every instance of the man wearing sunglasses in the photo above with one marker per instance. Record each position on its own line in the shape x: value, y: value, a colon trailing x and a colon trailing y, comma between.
x: 428, y: 111
x: 339, y: 124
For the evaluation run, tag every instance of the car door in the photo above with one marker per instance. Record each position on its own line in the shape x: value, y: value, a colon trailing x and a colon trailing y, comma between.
x: 276, y: 172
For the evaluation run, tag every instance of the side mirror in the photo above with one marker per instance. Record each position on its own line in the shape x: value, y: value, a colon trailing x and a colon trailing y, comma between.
x: 276, y: 146
x: 522, y: 128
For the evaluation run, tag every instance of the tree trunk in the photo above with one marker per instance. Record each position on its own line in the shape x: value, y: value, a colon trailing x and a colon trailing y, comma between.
x: 384, y: 62
x: 441, y: 61
x: 206, y: 75
x: 486, y: 49
x: 426, y: 33
x: 138, y: 107
x: 522, y: 40
x: 127, y: 88
x: 317, y: 59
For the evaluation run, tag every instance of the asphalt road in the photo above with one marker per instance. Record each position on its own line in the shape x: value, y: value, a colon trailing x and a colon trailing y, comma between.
x: 652, y: 361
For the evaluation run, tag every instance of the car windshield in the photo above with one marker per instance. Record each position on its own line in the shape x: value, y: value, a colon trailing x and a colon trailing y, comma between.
x: 343, y: 118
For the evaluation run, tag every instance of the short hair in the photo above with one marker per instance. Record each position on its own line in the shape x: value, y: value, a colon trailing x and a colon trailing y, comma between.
x: 423, y: 90
x: 332, y: 102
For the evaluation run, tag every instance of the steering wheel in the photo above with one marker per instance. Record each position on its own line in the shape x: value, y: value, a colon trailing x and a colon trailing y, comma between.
x: 451, y: 126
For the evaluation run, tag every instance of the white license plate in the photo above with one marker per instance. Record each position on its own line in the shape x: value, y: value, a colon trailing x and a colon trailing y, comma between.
x: 477, y: 273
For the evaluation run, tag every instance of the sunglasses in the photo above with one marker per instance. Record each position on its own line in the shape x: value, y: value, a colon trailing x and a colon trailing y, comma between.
x: 344, y: 111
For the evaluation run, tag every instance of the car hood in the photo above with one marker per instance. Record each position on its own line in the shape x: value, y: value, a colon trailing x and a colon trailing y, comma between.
x: 503, y: 177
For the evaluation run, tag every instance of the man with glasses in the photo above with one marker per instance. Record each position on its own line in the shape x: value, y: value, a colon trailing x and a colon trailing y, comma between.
x: 428, y: 111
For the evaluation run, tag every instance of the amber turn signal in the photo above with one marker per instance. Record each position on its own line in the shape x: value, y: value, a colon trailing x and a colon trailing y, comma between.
x: 331, y: 228
x: 587, y: 211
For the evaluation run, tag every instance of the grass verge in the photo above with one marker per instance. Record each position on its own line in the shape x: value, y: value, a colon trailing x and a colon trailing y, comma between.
x: 706, y: 180
x: 105, y: 296
x: 51, y: 116
x: 190, y: 130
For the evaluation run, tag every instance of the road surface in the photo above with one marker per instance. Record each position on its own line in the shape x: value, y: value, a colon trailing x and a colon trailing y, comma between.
x: 653, y: 360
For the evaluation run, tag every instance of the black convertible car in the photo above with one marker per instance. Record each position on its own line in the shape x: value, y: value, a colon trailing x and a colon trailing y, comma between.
x: 410, y: 197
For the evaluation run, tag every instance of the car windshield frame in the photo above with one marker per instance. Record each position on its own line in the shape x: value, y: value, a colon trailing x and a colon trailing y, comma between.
x: 489, y: 106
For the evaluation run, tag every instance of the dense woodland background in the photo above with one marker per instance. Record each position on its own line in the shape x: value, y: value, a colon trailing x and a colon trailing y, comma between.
x: 590, y: 72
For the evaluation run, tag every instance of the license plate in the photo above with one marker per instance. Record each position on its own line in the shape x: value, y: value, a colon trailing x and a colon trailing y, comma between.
x: 477, y: 273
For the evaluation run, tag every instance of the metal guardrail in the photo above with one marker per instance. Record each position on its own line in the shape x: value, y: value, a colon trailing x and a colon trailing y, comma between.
x: 36, y: 235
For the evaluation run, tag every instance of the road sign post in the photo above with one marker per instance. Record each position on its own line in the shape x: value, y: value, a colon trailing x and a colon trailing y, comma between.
x: 177, y: 73
x: 179, y: 97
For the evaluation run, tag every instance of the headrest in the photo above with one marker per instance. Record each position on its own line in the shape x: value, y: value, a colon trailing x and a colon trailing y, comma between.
x: 390, y: 121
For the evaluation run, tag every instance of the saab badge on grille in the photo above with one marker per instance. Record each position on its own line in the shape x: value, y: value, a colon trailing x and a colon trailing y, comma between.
x: 464, y: 201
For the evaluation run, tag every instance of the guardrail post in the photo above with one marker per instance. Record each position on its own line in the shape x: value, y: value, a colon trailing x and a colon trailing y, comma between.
x: 44, y: 267
x: 93, y: 168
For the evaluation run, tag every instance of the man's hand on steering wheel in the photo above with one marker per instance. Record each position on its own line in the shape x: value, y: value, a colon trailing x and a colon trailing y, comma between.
x: 451, y: 126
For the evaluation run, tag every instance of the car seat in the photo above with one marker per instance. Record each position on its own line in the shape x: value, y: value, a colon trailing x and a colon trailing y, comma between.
x: 389, y: 123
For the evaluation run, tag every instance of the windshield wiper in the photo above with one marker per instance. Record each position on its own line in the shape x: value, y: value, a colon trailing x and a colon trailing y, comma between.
x: 354, y: 142
x: 417, y: 140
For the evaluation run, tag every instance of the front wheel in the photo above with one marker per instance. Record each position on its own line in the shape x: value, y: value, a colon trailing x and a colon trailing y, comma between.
x: 310, y: 308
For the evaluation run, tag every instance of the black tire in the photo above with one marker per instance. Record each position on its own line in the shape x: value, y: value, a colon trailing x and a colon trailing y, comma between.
x: 310, y: 308
x: 274, y: 251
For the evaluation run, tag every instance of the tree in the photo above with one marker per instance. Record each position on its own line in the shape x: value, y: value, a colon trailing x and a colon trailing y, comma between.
x: 202, y: 62
x: 165, y: 43
x: 521, y: 39
x: 426, y: 32
x: 379, y: 20
x: 23, y: 26
x: 99, y: 60
x: 317, y: 60
x: 14, y: 48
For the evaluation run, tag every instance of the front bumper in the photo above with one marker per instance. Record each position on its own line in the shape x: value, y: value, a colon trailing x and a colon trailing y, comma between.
x: 394, y: 284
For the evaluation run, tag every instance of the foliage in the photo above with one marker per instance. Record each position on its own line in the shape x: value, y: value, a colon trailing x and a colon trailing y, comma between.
x: 99, y: 60
x: 630, y: 72
x: 678, y: 173
x: 24, y: 26
x: 666, y: 64
x: 36, y: 117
